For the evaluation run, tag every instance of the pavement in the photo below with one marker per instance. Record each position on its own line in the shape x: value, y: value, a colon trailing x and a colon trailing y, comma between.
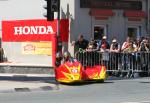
x: 27, y: 83
x: 11, y: 82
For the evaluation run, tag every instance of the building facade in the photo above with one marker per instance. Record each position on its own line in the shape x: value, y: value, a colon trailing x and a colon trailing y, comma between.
x: 119, y: 18
x: 91, y: 18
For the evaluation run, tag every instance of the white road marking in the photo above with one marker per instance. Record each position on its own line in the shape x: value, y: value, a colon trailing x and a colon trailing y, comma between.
x: 130, y: 102
x: 137, y: 102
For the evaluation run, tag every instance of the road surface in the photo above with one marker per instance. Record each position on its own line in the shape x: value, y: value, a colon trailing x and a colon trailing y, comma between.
x: 112, y: 91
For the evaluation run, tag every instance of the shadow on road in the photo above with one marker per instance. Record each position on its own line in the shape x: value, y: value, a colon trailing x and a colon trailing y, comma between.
x: 145, y: 82
x: 84, y: 83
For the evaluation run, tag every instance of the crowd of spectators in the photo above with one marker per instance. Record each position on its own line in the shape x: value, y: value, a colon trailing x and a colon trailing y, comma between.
x: 131, y: 55
x: 130, y: 45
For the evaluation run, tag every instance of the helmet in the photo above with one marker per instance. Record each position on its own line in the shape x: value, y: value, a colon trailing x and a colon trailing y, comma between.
x: 58, y: 55
x: 66, y: 54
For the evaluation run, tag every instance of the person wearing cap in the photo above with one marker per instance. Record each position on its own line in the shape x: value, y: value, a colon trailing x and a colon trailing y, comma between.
x: 115, y: 46
x: 104, y: 37
x: 104, y: 44
x: 104, y: 49
x: 115, y: 55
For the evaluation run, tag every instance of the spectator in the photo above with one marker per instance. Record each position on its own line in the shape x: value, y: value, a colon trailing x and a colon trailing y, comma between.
x: 115, y: 49
x: 104, y: 45
x: 81, y: 43
x: 143, y: 58
x: 104, y: 49
x: 129, y: 59
x: 126, y: 44
x: 91, y: 53
x: 92, y: 46
x: 137, y: 43
x: 144, y: 45
x: 115, y: 46
x: 148, y: 42
x: 130, y: 48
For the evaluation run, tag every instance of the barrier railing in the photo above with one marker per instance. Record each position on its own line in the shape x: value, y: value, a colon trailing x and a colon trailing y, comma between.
x: 117, y: 62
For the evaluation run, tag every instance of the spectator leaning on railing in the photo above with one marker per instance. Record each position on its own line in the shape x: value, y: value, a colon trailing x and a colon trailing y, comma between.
x: 115, y: 46
x: 144, y: 46
x: 92, y: 46
x: 104, y: 45
x: 130, y: 48
x: 137, y: 42
x: 81, y: 43
x: 115, y: 54
x: 126, y: 44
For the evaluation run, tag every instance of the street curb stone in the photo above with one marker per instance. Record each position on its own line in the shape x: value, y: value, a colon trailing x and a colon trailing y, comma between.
x: 26, y: 69
x: 27, y: 89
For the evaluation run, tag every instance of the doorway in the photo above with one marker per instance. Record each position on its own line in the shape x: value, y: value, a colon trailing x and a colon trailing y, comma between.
x: 99, y: 31
x: 133, y: 32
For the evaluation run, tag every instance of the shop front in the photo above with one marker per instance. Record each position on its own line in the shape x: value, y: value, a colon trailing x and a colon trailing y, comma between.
x: 95, y: 18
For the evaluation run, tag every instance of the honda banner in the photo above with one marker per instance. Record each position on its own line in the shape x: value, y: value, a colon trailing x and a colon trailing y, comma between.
x: 32, y: 30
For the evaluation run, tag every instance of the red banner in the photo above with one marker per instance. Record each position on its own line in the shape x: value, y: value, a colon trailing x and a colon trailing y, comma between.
x: 64, y: 33
x: 32, y: 30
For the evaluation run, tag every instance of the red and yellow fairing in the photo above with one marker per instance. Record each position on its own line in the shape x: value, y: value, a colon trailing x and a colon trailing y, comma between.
x: 95, y: 73
x: 69, y: 72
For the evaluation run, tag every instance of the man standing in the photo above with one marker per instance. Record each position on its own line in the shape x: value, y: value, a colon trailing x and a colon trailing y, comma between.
x: 81, y: 43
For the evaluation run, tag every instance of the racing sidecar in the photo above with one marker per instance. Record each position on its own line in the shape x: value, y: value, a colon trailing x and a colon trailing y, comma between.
x: 70, y: 72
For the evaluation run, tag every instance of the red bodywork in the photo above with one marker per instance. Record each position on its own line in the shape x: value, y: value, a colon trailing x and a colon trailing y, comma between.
x: 74, y: 72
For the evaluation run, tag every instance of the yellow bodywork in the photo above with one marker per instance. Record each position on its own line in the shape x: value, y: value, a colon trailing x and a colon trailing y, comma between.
x: 71, y: 76
x: 76, y: 74
x: 99, y: 76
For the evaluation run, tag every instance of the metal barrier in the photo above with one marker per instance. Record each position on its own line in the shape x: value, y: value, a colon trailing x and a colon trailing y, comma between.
x: 128, y: 63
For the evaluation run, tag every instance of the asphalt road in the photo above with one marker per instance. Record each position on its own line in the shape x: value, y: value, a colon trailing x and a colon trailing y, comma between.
x: 112, y: 91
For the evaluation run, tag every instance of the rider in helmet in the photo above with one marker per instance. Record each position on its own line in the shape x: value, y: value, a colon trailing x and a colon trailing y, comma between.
x: 58, y: 59
x: 67, y: 57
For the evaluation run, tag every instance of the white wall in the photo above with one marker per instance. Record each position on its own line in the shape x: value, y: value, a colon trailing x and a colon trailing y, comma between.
x: 22, y: 10
x: 80, y: 21
x: 67, y: 11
